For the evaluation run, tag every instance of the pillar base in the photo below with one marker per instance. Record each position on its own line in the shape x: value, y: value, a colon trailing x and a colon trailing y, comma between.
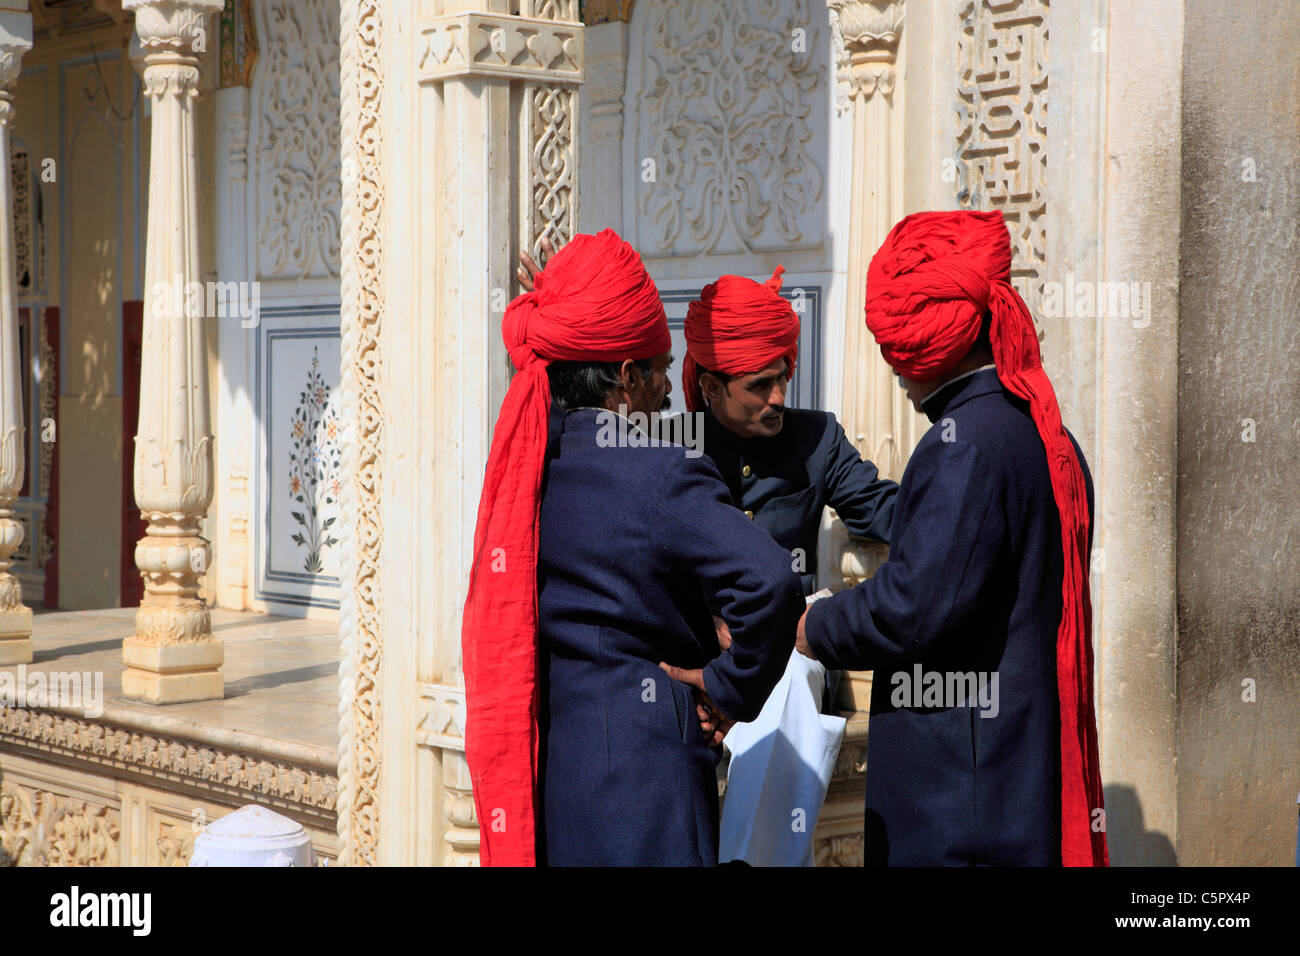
x: 16, y: 636
x: 15, y: 650
x: 173, y: 673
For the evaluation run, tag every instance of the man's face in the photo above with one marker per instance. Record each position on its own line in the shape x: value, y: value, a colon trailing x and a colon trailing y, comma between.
x: 917, y: 392
x: 651, y: 393
x: 750, y: 405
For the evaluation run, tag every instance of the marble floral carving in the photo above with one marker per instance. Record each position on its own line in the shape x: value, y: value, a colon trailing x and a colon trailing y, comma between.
x: 725, y: 112
x: 297, y: 87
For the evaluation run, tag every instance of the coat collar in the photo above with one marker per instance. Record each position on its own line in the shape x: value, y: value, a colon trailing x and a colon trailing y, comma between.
x: 959, y: 392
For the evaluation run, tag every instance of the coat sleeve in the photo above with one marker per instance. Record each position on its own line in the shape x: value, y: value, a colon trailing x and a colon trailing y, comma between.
x: 950, y: 533
x: 863, y: 500
x: 747, y: 575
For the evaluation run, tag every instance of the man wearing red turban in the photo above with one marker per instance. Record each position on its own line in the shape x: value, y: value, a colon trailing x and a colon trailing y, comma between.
x: 594, y: 562
x: 983, y: 744
x: 783, y: 466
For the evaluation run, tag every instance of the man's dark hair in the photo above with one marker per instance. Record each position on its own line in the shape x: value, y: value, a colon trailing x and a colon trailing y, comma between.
x: 983, y: 343
x: 588, y: 384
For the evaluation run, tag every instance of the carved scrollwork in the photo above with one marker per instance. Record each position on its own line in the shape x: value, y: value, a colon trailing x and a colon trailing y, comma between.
x: 362, y: 309
x: 550, y: 129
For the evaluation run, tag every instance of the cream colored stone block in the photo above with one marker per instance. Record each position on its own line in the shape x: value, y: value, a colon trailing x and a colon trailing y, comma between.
x: 154, y: 688
x: 172, y: 673
x: 16, y: 649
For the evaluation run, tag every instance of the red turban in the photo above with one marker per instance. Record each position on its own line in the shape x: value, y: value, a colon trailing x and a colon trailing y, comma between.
x: 928, y: 289
x: 593, y: 302
x: 736, y: 326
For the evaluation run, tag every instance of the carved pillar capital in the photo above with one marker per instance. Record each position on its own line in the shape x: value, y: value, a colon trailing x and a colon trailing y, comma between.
x: 15, y: 40
x: 172, y: 26
x: 15, y: 617
x: 865, y: 35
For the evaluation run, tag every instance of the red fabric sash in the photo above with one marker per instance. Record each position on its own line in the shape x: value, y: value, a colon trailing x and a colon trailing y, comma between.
x: 928, y: 288
x: 736, y: 326
x: 594, y: 302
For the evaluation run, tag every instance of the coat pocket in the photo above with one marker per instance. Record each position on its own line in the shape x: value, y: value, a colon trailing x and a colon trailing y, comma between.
x: 683, y: 707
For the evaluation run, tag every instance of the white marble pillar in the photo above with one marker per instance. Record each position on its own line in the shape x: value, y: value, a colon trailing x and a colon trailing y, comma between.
x: 172, y: 656
x: 876, y: 414
x: 15, y: 617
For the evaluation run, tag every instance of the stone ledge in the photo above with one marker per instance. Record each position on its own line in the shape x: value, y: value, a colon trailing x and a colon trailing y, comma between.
x: 225, y: 766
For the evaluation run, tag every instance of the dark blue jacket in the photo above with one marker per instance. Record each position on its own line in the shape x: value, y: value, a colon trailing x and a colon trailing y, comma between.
x: 639, y: 547
x: 972, y: 585
x: 783, y: 482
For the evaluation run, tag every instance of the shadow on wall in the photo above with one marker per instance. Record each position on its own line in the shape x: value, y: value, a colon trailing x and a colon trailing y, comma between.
x: 1130, y: 842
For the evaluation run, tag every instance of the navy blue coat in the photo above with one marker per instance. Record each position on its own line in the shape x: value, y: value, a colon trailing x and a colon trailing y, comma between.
x: 973, y: 584
x: 639, y: 547
x: 783, y: 482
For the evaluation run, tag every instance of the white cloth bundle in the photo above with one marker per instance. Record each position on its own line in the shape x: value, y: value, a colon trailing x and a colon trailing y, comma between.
x: 780, y: 768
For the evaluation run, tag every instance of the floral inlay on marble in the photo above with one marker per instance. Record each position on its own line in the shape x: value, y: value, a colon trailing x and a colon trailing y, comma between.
x: 314, y: 467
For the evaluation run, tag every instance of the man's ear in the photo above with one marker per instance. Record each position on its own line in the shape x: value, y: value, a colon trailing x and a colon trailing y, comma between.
x: 630, y: 376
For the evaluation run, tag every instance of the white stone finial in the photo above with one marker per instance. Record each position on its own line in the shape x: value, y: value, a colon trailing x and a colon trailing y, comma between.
x: 253, y: 836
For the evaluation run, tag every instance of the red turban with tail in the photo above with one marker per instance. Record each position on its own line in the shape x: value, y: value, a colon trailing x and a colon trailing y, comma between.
x: 736, y: 326
x: 593, y: 302
x: 928, y: 289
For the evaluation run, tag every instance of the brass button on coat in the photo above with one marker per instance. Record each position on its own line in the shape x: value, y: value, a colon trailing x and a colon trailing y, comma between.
x: 746, y: 471
x: 749, y: 515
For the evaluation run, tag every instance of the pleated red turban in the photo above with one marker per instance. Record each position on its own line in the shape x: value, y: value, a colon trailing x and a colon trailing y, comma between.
x: 593, y: 302
x: 928, y: 288
x: 736, y: 326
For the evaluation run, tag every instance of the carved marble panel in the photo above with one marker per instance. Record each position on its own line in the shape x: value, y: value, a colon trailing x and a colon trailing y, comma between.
x: 726, y: 126
x: 1002, y: 53
x: 299, y: 473
x: 296, y: 103
x: 43, y: 828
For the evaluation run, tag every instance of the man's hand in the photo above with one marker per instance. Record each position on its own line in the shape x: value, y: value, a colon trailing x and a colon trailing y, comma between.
x: 528, y: 269
x: 801, y: 638
x: 713, y: 722
x: 724, y: 632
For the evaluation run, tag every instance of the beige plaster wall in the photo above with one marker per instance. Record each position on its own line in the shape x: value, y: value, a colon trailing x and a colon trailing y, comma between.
x: 1239, y: 501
